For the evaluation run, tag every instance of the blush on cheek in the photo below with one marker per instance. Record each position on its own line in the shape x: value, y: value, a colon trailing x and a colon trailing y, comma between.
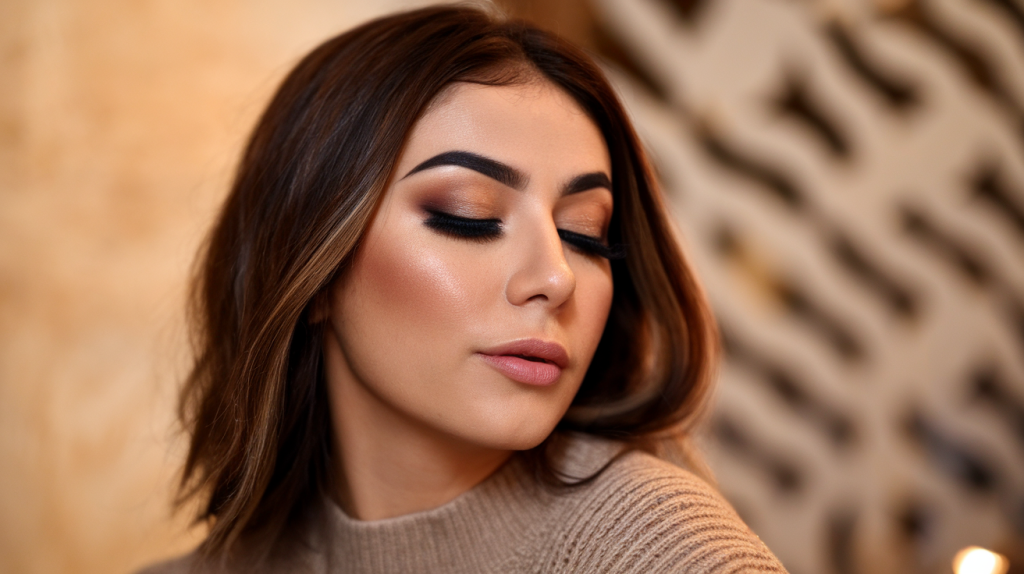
x: 413, y: 288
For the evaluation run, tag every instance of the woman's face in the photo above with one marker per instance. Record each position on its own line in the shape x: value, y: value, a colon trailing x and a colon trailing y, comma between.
x: 478, y: 295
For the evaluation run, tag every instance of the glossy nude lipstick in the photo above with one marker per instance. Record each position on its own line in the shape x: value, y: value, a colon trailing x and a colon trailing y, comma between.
x: 528, y: 361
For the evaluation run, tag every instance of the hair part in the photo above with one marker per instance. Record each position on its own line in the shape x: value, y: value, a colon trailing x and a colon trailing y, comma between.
x: 306, y: 189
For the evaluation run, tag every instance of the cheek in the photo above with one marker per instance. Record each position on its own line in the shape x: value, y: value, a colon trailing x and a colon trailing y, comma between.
x: 410, y: 293
x: 594, y: 296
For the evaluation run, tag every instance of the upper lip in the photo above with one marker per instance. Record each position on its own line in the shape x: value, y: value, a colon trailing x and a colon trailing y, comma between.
x: 533, y: 349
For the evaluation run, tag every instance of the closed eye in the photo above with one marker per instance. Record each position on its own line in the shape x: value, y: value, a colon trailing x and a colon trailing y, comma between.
x: 489, y: 229
x: 464, y: 227
x: 592, y: 245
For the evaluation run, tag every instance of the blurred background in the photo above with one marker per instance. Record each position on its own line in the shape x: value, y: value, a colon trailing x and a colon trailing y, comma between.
x: 848, y: 176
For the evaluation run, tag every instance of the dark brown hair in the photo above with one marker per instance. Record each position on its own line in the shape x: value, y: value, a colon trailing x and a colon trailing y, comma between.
x: 306, y: 190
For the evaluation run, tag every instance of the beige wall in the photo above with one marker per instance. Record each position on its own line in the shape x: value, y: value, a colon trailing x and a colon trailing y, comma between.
x: 119, y: 124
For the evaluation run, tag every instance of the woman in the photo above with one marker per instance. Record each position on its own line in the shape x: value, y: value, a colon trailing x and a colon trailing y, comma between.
x: 444, y: 325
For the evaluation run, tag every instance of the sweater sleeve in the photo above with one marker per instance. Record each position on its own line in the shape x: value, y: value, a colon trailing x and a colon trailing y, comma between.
x: 646, y: 515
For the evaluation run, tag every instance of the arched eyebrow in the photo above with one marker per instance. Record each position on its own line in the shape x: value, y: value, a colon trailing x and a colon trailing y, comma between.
x: 506, y: 174
x: 492, y: 168
x: 586, y: 182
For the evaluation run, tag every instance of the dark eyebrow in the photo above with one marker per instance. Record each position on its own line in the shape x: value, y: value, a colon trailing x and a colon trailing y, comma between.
x: 493, y: 169
x: 587, y: 181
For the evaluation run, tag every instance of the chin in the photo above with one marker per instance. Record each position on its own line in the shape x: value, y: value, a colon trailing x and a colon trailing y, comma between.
x: 526, y: 441
x: 513, y: 433
x: 523, y: 419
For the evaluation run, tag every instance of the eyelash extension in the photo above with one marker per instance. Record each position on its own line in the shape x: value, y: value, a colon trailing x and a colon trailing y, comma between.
x: 464, y: 227
x: 486, y: 229
x: 592, y: 245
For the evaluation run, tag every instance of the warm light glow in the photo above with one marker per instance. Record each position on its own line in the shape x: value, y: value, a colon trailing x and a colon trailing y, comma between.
x: 975, y: 560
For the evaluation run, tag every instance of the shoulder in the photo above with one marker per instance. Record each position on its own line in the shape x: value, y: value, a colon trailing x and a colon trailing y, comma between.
x: 643, y: 514
x: 638, y: 482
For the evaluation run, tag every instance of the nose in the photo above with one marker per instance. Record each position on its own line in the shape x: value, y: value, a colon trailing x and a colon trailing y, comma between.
x: 541, y: 274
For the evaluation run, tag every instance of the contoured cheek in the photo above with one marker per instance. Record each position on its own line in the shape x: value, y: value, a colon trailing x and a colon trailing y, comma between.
x: 422, y: 301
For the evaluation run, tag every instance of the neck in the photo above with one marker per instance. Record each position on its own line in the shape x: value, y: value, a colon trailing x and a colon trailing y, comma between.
x: 390, y: 464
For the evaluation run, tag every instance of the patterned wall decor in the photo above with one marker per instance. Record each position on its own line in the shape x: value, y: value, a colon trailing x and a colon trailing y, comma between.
x: 849, y: 177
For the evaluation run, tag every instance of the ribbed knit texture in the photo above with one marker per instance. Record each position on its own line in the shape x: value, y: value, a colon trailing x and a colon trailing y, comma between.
x: 641, y: 515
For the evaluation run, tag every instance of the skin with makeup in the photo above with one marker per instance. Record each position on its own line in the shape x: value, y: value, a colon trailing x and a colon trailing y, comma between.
x: 444, y: 324
x: 470, y: 314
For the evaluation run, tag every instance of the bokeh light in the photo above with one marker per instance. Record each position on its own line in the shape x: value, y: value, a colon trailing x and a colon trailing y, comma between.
x: 976, y: 560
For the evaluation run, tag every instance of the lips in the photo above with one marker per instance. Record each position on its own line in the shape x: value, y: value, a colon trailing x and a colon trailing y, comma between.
x: 528, y: 361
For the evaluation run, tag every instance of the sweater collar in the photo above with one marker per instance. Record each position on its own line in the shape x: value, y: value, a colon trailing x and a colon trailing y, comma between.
x: 480, y: 529
x: 487, y: 528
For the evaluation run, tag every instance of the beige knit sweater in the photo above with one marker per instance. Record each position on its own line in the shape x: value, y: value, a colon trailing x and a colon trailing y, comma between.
x: 641, y: 515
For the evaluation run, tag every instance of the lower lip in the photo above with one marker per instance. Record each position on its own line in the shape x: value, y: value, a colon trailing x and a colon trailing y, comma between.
x: 522, y: 371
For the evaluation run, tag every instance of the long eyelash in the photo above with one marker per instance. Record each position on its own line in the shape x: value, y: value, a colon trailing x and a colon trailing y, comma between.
x: 592, y: 245
x: 464, y: 227
x: 486, y: 229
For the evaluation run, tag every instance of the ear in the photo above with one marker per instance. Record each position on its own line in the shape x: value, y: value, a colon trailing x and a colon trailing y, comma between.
x: 319, y: 307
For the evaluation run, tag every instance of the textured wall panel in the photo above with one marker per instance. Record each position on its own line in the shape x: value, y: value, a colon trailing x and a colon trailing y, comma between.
x: 850, y: 179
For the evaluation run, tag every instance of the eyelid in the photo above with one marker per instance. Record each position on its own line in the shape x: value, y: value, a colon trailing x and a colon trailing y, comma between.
x: 584, y: 215
x: 445, y: 214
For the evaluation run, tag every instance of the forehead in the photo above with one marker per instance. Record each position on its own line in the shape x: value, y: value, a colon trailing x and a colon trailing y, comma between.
x: 533, y: 126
